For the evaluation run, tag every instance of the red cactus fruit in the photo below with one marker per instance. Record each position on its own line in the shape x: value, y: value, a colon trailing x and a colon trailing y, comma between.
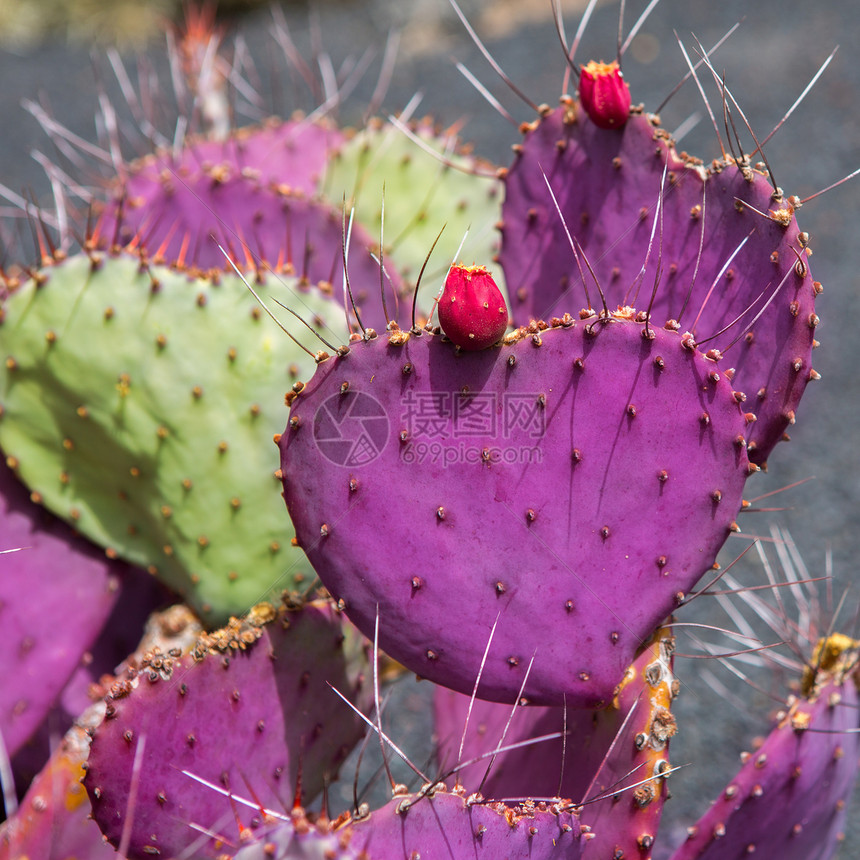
x: 604, y: 94
x: 472, y: 310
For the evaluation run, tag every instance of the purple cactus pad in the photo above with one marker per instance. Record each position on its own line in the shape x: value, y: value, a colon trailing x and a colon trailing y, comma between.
x: 56, y: 593
x: 564, y: 487
x: 725, y: 248
x: 450, y: 827
x: 789, y: 798
x: 280, y: 156
x: 612, y: 759
x: 252, y: 707
x: 261, y: 229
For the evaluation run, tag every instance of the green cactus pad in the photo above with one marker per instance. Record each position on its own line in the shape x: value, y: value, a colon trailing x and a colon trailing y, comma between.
x: 422, y: 192
x: 141, y: 405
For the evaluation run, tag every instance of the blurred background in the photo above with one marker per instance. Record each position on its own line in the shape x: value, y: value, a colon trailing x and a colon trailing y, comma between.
x: 54, y: 52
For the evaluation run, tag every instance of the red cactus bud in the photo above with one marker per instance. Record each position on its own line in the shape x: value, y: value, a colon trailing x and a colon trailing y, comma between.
x: 472, y: 310
x: 604, y: 94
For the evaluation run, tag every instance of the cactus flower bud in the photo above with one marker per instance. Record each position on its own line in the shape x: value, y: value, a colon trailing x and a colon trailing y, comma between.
x: 472, y: 310
x: 604, y: 94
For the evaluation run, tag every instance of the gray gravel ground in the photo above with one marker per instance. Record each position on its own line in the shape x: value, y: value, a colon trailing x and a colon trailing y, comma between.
x: 768, y: 62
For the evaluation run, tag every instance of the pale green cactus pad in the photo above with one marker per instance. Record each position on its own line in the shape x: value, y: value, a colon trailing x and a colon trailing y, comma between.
x: 422, y: 191
x: 140, y: 405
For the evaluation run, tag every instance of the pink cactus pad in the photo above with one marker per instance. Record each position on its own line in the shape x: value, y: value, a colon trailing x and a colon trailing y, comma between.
x: 715, y: 249
x: 57, y: 591
x: 243, y: 714
x: 555, y: 493
x: 450, y: 826
x: 789, y: 798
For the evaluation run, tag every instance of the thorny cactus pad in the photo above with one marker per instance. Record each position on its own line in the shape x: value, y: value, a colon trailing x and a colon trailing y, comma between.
x: 276, y: 155
x: 562, y: 489
x: 789, y: 797
x: 180, y: 213
x: 449, y: 826
x: 714, y: 249
x: 432, y: 823
x: 247, y: 710
x: 54, y: 820
x: 611, y: 762
x: 56, y: 593
x: 157, y: 450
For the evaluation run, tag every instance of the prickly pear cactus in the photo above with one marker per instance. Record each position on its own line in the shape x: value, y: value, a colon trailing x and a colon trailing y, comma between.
x: 250, y: 709
x: 518, y: 519
x: 522, y: 475
x: 789, y: 797
x: 715, y: 250
x: 138, y: 404
x: 71, y: 601
x: 612, y: 762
